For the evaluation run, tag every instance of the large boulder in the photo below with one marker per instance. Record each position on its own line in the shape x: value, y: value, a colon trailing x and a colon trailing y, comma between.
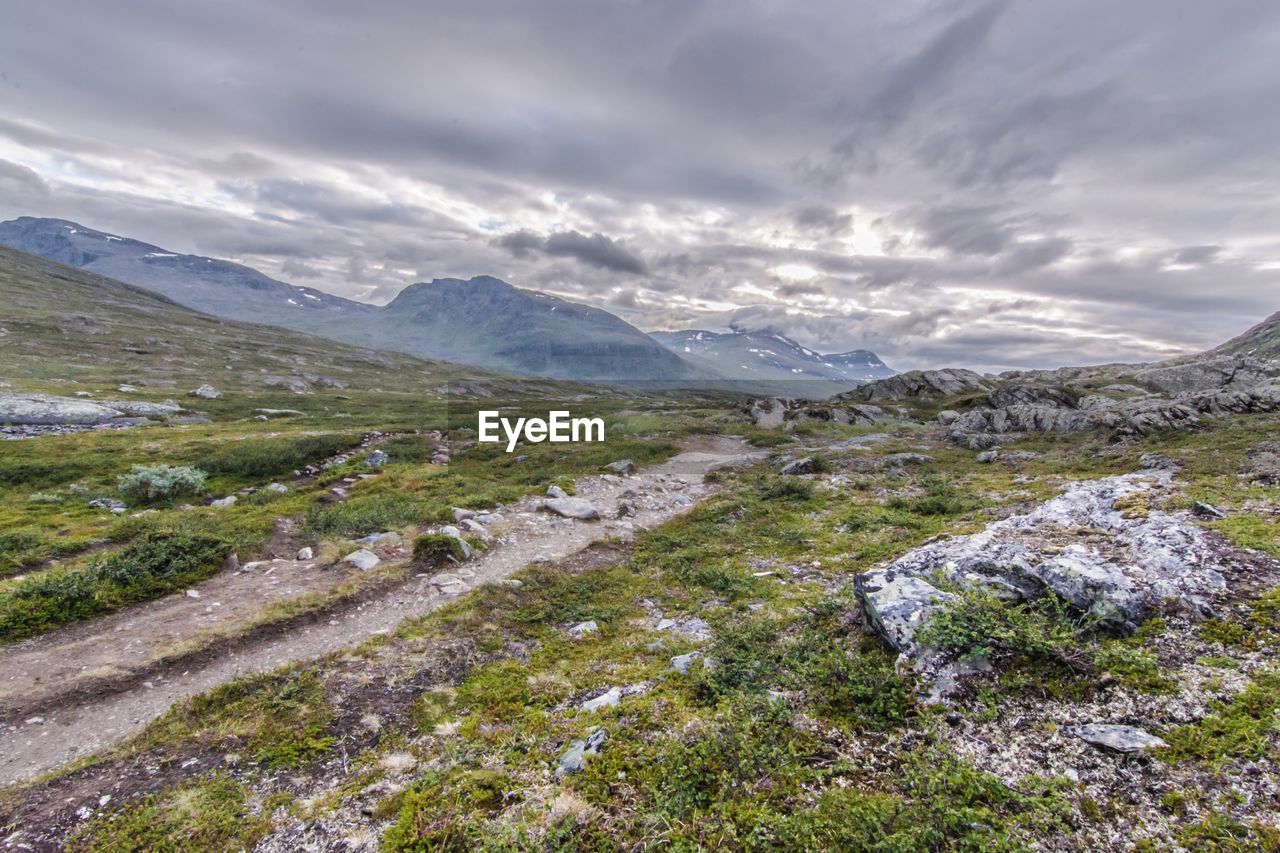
x: 45, y: 409
x: 1135, y: 561
x: 768, y: 414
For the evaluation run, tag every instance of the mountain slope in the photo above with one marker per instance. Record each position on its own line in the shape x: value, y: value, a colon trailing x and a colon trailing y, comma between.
x: 768, y: 357
x: 484, y: 322
x: 489, y: 322
x: 1261, y: 342
x: 59, y: 323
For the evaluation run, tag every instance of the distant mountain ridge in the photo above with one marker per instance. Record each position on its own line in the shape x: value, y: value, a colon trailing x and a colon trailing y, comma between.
x: 771, y: 357
x: 483, y: 321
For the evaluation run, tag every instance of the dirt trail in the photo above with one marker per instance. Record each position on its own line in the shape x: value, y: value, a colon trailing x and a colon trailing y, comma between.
x: 76, y: 724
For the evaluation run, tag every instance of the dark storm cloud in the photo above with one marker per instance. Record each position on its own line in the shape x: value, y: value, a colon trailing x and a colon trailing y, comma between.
x: 595, y: 250
x: 1006, y: 184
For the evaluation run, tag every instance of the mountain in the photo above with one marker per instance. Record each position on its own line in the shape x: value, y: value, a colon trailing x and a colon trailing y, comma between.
x: 1261, y: 342
x: 484, y: 321
x: 214, y: 287
x: 765, y: 358
x: 489, y: 322
x: 58, y: 323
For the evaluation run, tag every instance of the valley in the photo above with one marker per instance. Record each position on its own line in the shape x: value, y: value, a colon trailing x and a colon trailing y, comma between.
x: 939, y: 610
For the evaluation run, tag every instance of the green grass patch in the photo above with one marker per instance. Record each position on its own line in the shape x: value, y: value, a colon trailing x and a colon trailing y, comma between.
x: 155, y: 565
x: 1244, y: 727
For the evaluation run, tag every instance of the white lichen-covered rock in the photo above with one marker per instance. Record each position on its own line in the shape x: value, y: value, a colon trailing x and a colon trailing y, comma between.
x: 579, y: 508
x: 1117, y: 737
x: 1132, y: 560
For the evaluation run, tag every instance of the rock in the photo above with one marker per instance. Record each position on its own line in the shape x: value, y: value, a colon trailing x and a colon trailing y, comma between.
x: 376, y: 459
x: 1116, y: 737
x: 231, y: 563
x: 460, y: 514
x: 126, y: 389
x: 108, y: 504
x: 623, y: 466
x: 803, y: 465
x: 1130, y: 567
x: 487, y: 518
x: 900, y: 459
x: 626, y: 509
x: 683, y: 663
x: 948, y: 416
x: 296, y: 384
x: 278, y: 413
x: 575, y: 757
x: 473, y: 526
x: 556, y: 492
x: 387, y: 538
x: 364, y: 559
x: 305, y: 554
x: 205, y: 392
x: 144, y: 409
x: 47, y: 409
x: 768, y: 414
x: 921, y: 383
x: 191, y: 593
x: 693, y: 627
x: 579, y: 508
x: 1156, y: 462
x: 583, y: 629
x: 278, y: 488
x: 609, y: 699
x: 988, y: 456
x: 229, y: 500
x: 1206, y: 510
x: 866, y: 414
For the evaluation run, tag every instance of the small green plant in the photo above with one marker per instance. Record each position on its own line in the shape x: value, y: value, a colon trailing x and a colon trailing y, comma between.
x: 1243, y: 727
x: 436, y: 548
x: 150, y: 483
x: 980, y: 623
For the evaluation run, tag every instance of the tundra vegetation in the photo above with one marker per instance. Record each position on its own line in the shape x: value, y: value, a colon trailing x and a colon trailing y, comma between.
x: 792, y: 728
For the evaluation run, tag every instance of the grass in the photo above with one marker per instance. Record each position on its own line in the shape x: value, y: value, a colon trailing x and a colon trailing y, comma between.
x: 1244, y: 727
x: 269, y: 457
x: 214, y: 814
x: 154, y: 565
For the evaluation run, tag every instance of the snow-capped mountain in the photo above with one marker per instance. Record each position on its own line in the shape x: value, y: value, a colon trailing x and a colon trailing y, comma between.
x: 767, y: 356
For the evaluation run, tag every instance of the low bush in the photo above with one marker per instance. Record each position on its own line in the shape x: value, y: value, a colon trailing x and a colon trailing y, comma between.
x: 267, y: 457
x: 980, y: 623
x: 365, y: 514
x: 436, y: 548
x: 151, y: 483
x: 157, y: 564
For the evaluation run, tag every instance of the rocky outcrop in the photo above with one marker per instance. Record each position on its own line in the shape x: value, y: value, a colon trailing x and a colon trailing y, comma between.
x: 1206, y: 374
x: 46, y: 409
x: 921, y: 383
x: 1132, y: 561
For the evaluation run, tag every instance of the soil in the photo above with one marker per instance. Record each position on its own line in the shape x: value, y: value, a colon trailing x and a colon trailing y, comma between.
x: 75, y: 692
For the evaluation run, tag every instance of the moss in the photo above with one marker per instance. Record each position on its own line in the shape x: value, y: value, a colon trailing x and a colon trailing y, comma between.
x: 280, y: 720
x: 1244, y: 727
x: 216, y: 814
x: 436, y: 548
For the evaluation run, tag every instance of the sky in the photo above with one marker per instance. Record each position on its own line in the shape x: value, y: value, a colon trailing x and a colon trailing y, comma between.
x: 992, y: 185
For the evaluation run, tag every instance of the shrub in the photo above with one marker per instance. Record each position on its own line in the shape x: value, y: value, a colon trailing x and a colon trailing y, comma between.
x: 980, y: 623
x: 148, y: 483
x: 436, y: 548
x: 941, y: 497
x: 365, y: 514
x: 266, y: 457
x: 157, y: 564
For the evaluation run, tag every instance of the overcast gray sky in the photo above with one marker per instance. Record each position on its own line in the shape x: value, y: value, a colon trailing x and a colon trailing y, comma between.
x: 1006, y: 184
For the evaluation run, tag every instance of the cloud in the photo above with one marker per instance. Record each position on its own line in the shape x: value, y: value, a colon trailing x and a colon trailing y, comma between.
x: 595, y: 250
x: 999, y: 185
